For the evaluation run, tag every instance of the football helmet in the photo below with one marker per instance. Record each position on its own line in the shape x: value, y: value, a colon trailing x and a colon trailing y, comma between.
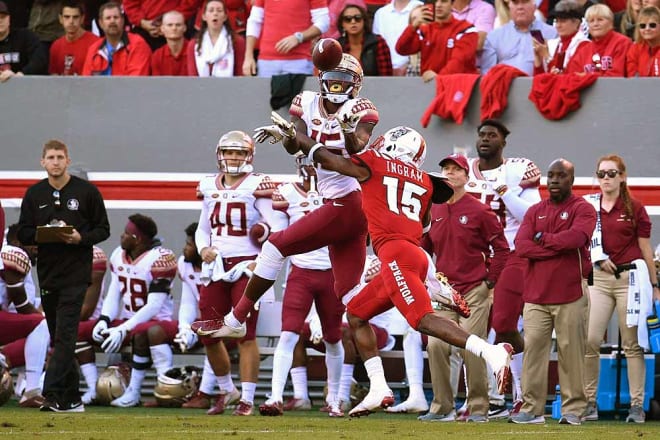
x: 342, y: 83
x: 112, y: 383
x: 402, y: 143
x: 235, y: 140
x: 177, y: 385
x: 6, y: 386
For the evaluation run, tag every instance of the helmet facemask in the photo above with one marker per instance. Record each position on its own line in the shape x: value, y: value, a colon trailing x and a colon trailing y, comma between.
x: 235, y: 141
x: 343, y: 82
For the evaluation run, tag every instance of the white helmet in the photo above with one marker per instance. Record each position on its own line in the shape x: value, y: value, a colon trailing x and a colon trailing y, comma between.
x: 176, y: 386
x: 112, y: 383
x: 6, y: 386
x: 402, y: 143
x: 238, y: 141
x: 344, y: 82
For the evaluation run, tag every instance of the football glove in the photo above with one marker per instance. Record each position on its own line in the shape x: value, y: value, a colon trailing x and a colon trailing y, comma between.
x: 114, y: 338
x: 186, y: 338
x: 315, y: 330
x: 349, y: 117
x: 97, y: 332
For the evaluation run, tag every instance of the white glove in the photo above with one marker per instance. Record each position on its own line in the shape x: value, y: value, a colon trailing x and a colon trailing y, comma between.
x: 348, y: 116
x: 272, y: 132
x: 99, y: 328
x: 315, y: 330
x: 186, y: 338
x: 372, y: 268
x: 114, y: 338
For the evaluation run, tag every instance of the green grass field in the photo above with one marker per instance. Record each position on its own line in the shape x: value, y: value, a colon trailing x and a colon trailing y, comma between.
x: 158, y: 423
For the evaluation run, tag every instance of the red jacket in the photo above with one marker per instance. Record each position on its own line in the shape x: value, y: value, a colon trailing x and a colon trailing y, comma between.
x: 611, y: 49
x: 138, y: 10
x: 446, y: 47
x: 132, y: 58
x: 643, y: 60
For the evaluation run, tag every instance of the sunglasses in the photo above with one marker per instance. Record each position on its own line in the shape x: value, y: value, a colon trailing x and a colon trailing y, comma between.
x: 650, y: 25
x: 609, y: 173
x: 350, y: 18
x: 56, y: 199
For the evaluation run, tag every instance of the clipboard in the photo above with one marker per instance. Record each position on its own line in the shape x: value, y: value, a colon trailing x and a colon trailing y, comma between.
x: 50, y: 234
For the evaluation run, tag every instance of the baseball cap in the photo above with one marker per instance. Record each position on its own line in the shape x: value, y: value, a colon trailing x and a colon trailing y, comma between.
x: 4, y: 9
x: 458, y: 159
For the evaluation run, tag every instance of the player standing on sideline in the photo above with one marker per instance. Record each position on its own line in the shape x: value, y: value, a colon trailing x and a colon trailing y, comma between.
x: 341, y: 120
x: 234, y: 201
x: 397, y: 204
x: 509, y: 186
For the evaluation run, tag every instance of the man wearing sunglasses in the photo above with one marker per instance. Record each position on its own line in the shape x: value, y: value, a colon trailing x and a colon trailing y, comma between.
x: 65, y: 264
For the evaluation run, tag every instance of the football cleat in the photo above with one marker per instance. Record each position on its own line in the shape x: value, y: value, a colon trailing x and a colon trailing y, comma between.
x: 409, y: 406
x: 375, y: 400
x: 129, y: 399
x: 295, y: 404
x: 498, y: 358
x: 223, y: 400
x: 32, y: 399
x: 243, y: 409
x: 200, y: 400
x: 271, y: 408
x: 443, y: 295
x: 335, y: 409
x: 216, y: 328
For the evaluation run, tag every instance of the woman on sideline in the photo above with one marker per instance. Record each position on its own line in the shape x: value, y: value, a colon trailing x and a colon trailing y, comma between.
x: 605, y: 55
x: 621, y: 252
x: 643, y: 57
x: 553, y: 56
x: 217, y: 51
x: 624, y: 21
x: 358, y: 40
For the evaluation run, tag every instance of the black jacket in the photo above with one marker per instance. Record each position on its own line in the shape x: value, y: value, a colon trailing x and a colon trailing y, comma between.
x: 22, y: 51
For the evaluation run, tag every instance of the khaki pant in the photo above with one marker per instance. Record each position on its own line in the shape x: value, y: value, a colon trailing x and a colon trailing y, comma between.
x: 438, y: 351
x: 606, y: 295
x: 569, y: 322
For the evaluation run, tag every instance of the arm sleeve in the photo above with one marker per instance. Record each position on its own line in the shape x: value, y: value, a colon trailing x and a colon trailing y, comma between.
x: 138, y: 59
x: 255, y: 22
x: 631, y: 62
x: 488, y: 55
x: 154, y: 303
x: 277, y: 220
x: 409, y: 42
x: 464, y: 53
x: 203, y: 232
x: 526, y: 247
x: 27, y: 228
x: 134, y: 12
x: 519, y: 204
x: 577, y: 236
x: 188, y: 306
x: 100, y: 227
x: 321, y: 19
x: 111, y: 301
x: 619, y: 59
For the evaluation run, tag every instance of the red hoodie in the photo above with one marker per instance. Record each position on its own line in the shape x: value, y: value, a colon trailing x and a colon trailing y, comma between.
x: 605, y: 57
x: 643, y: 60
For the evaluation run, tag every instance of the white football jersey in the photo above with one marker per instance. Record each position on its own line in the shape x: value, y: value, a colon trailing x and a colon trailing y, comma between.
x: 99, y: 264
x: 292, y: 199
x: 190, y: 287
x: 17, y: 260
x: 229, y: 213
x: 135, y: 278
x: 189, y: 277
x: 521, y: 175
x: 325, y: 129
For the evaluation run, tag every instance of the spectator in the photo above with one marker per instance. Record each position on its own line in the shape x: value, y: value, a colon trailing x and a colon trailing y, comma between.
x: 334, y: 9
x: 447, y: 45
x: 502, y: 13
x: 67, y: 54
x: 217, y: 50
x: 554, y: 237
x: 512, y: 43
x: 463, y: 230
x: 622, y: 260
x: 554, y: 55
x: 146, y: 17
x: 120, y: 53
x: 605, y: 55
x: 626, y: 20
x: 65, y: 266
x: 21, y: 52
x: 44, y: 21
x: 389, y: 22
x: 170, y: 59
x: 20, y: 12
x: 358, y: 40
x: 478, y: 12
x: 643, y: 58
x: 284, y: 30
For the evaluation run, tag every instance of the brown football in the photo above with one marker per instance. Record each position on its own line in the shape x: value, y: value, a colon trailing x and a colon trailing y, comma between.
x: 327, y: 54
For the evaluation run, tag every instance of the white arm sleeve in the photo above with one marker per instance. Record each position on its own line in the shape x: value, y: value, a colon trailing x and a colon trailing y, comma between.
x: 321, y: 19
x: 154, y: 303
x: 188, y: 307
x: 277, y: 220
x: 203, y: 232
x: 255, y: 22
x: 519, y: 204
x: 111, y: 302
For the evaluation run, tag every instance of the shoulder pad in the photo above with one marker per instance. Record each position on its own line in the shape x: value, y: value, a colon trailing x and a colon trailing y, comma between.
x: 165, y: 265
x: 15, y: 259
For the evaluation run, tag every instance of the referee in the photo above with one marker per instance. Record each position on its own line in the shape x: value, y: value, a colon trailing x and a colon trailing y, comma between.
x: 64, y: 264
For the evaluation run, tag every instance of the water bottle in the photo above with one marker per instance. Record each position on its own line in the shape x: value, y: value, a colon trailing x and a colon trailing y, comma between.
x: 556, y: 405
x: 653, y: 325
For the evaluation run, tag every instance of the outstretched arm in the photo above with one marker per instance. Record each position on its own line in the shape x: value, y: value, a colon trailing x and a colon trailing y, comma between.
x: 333, y: 162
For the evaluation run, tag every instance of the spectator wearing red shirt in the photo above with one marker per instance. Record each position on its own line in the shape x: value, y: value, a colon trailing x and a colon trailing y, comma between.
x: 358, y: 40
x: 284, y: 29
x: 447, y: 45
x: 119, y: 53
x: 146, y: 16
x: 67, y: 53
x: 170, y: 60
x: 643, y: 58
x: 554, y: 237
x: 605, y: 55
x: 217, y: 51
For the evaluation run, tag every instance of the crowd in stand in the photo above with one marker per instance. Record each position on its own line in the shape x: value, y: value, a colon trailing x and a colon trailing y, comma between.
x: 225, y: 38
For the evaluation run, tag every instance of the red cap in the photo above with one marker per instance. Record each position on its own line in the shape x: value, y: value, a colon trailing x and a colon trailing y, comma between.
x: 458, y: 159
x: 4, y: 9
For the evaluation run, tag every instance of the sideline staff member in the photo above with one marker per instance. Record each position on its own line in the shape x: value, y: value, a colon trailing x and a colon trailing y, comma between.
x: 64, y: 266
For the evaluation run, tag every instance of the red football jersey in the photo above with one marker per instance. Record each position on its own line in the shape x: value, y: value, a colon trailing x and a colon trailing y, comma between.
x: 395, y: 198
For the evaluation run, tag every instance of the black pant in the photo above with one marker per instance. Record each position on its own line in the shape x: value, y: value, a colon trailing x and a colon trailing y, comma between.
x: 62, y: 308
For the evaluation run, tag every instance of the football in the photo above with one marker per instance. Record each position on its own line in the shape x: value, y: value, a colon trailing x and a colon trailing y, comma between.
x: 327, y: 54
x: 259, y: 233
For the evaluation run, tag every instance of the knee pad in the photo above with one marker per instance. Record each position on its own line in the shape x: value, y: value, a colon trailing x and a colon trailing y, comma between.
x: 269, y: 262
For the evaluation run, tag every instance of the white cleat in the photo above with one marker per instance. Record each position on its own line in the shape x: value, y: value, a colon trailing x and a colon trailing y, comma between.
x: 88, y: 397
x: 410, y: 406
x: 376, y: 399
x: 216, y: 328
x: 129, y: 399
x: 498, y: 357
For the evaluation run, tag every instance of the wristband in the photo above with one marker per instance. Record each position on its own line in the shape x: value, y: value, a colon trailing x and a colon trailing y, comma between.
x: 501, y: 190
x: 105, y: 318
x: 23, y: 304
x: 313, y: 150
